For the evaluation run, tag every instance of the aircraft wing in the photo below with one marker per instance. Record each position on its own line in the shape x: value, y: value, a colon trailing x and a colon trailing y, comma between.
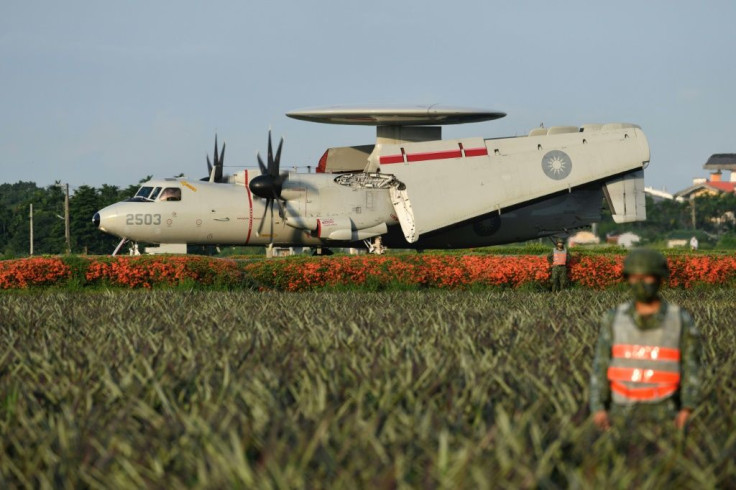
x: 451, y: 181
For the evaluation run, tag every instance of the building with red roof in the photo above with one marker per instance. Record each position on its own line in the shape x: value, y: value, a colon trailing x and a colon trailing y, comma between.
x: 714, y: 184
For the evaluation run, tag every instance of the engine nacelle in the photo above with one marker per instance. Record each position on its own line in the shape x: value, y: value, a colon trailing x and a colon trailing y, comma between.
x: 350, y: 235
x: 339, y: 228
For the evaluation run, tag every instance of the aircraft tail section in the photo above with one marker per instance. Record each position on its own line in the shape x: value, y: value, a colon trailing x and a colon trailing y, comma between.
x: 450, y: 181
x: 625, y: 197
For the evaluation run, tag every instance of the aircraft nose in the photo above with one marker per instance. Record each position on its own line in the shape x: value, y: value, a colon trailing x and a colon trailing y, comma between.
x: 96, y: 220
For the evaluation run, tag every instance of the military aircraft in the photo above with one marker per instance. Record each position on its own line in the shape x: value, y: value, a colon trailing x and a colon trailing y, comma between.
x: 411, y: 188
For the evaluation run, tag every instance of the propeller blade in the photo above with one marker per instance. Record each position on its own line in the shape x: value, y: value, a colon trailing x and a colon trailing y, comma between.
x: 271, y: 224
x: 263, y: 218
x: 219, y: 163
x: 209, y: 166
x: 215, y: 154
x: 270, y: 155
x: 261, y: 165
x: 268, y: 185
x: 277, y: 161
x: 282, y: 210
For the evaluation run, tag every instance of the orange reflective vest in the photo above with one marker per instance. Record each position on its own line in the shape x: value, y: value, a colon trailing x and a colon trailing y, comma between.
x: 645, y: 363
x: 559, y: 257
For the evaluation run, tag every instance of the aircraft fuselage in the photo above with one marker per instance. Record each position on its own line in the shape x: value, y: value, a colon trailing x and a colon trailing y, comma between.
x: 440, y: 194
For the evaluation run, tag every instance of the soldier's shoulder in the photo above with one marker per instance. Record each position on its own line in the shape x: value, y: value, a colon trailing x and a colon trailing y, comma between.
x: 621, y: 307
x: 610, y: 315
x: 688, y: 323
x: 677, y: 309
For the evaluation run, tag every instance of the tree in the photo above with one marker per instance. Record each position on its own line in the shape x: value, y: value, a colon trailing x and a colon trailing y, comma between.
x: 82, y: 207
x: 711, y: 213
x: 14, y: 208
x: 48, y: 221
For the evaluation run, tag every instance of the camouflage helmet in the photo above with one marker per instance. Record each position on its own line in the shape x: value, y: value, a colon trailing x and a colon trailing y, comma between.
x: 559, y: 241
x: 646, y: 261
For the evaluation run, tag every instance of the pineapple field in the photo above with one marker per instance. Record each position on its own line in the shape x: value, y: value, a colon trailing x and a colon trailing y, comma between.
x: 394, y: 389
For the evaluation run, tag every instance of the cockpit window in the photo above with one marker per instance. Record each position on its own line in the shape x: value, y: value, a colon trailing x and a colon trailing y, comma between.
x: 146, y: 194
x: 171, y: 194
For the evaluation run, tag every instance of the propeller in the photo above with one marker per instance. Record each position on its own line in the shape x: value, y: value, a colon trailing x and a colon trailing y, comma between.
x: 268, y: 185
x: 218, y: 165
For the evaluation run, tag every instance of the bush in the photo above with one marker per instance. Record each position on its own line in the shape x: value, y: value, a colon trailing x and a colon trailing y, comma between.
x: 371, y: 273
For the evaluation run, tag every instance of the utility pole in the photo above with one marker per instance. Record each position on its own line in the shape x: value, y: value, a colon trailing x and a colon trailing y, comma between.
x: 692, y: 210
x: 67, y: 234
x: 31, y: 237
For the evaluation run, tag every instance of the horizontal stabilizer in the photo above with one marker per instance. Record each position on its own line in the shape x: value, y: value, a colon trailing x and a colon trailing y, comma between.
x: 625, y: 196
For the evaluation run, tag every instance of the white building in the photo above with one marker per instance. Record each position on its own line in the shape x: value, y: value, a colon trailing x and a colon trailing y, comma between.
x: 628, y: 240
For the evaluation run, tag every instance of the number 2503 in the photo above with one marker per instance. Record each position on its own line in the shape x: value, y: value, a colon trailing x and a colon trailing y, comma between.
x: 143, y: 219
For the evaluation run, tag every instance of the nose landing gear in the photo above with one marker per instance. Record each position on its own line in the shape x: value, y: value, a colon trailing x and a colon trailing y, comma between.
x: 120, y: 245
x: 375, y: 246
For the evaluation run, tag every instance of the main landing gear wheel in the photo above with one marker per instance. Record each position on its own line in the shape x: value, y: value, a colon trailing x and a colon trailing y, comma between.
x: 322, y: 251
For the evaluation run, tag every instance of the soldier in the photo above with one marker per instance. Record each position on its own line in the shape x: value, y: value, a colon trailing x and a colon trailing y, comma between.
x: 647, y: 358
x: 558, y: 266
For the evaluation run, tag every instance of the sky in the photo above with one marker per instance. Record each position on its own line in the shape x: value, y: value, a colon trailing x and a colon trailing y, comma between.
x: 109, y: 92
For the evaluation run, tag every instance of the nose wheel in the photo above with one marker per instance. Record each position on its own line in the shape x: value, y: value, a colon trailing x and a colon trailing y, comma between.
x: 375, y: 246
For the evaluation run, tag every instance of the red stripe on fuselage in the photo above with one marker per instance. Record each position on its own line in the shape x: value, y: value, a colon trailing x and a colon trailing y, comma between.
x: 392, y: 159
x: 250, y: 209
x: 433, y: 155
x: 476, y: 152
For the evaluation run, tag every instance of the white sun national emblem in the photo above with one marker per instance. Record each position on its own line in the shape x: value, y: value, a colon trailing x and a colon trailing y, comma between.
x: 556, y: 164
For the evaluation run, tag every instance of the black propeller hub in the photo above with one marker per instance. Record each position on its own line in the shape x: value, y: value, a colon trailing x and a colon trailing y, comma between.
x: 266, y: 186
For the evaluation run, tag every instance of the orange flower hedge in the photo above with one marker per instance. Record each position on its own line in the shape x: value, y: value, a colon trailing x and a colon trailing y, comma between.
x: 377, y: 272
x: 362, y: 272
x: 147, y: 271
x: 132, y: 272
x: 39, y: 271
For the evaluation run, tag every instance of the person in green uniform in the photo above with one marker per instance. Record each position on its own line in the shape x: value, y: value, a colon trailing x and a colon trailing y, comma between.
x: 558, y: 266
x: 647, y: 357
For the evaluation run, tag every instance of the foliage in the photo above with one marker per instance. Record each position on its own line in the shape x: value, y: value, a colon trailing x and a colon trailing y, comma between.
x: 369, y: 273
x: 673, y: 219
x: 147, y: 271
x: 727, y: 241
x: 163, y: 389
x: 48, y: 212
x: 48, y: 205
x: 39, y: 271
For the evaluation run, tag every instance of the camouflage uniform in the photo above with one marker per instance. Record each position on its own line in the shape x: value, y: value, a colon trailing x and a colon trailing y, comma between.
x: 690, y: 348
x: 642, y: 410
x: 558, y: 272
